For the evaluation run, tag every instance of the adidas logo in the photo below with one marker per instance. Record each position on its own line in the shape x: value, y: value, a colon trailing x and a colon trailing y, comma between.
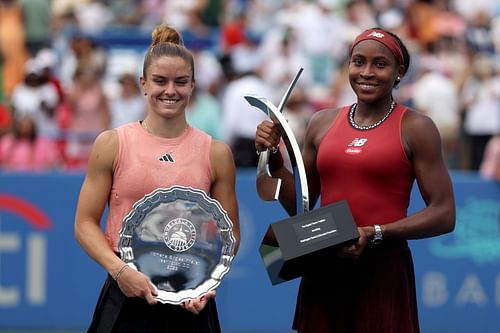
x: 167, y: 158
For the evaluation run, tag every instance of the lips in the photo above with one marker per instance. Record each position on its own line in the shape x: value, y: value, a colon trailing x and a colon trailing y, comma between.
x: 367, y: 86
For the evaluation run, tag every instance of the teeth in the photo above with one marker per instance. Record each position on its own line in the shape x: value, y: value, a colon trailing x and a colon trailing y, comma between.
x: 168, y: 101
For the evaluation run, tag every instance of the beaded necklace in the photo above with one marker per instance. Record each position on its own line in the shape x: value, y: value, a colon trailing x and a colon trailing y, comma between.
x: 364, y: 128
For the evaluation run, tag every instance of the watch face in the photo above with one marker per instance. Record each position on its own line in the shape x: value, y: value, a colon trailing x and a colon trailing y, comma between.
x: 377, y: 238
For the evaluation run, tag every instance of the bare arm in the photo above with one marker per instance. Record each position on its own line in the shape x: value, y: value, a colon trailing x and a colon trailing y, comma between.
x: 423, y: 143
x: 91, y: 203
x: 224, y: 183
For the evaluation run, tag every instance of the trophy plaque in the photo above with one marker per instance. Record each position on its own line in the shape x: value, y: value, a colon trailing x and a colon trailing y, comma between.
x: 181, y: 239
x: 296, y: 245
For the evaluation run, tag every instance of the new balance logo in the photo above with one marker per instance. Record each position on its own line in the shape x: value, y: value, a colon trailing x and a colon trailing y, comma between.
x: 167, y: 158
x: 355, y: 146
x: 357, y: 142
x: 377, y: 34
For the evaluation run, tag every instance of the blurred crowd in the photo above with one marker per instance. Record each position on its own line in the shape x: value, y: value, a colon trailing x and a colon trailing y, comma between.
x: 60, y: 86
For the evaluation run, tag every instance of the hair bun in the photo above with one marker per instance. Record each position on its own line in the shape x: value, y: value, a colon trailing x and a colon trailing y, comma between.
x: 165, y: 34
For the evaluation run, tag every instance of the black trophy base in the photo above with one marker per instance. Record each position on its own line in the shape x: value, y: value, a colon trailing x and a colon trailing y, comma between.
x: 302, y: 243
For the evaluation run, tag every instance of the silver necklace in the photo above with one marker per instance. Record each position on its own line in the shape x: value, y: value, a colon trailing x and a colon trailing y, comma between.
x: 364, y: 128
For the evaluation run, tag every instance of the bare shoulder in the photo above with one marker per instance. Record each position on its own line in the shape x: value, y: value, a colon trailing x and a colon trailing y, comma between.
x: 416, y: 123
x: 220, y: 149
x: 319, y: 124
x: 419, y: 133
x: 416, y: 118
x: 324, y: 115
x: 105, y: 149
x: 222, y: 161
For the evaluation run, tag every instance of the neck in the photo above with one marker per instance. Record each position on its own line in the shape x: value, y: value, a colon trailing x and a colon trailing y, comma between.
x: 369, y: 110
x: 164, y: 129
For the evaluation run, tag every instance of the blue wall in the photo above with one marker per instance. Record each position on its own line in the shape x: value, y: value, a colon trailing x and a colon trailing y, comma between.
x: 46, y: 281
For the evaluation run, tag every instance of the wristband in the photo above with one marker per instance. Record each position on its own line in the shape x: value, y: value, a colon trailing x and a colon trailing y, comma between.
x: 276, y: 161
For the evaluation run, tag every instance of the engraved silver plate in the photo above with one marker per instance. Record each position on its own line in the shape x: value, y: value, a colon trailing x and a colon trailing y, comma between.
x: 181, y: 239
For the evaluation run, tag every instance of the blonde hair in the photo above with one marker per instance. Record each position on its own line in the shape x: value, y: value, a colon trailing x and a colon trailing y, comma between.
x: 167, y: 42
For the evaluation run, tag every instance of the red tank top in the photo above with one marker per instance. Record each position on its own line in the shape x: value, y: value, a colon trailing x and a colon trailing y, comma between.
x: 147, y: 162
x: 367, y: 168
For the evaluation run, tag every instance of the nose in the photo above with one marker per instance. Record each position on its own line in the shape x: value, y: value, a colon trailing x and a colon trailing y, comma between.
x: 366, y: 71
x: 170, y: 88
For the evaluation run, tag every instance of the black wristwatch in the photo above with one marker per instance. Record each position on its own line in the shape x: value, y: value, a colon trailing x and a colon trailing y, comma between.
x: 377, y: 237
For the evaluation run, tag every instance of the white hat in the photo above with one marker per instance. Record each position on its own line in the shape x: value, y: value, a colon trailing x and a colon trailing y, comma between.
x: 46, y: 58
x: 31, y: 66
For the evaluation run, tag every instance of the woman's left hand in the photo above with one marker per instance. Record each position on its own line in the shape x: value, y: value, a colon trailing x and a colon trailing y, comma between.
x: 197, y: 304
x: 355, y: 249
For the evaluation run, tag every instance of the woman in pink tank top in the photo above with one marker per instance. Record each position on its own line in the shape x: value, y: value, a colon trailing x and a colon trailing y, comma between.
x: 370, y: 154
x: 133, y: 160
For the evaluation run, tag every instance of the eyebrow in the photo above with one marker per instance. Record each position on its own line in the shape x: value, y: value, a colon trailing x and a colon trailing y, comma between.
x: 159, y: 76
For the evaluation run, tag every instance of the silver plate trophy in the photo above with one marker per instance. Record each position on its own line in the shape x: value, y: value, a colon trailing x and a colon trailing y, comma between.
x: 181, y: 239
x: 301, y: 243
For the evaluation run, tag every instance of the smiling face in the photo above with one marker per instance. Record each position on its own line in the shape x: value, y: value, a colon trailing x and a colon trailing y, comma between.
x: 168, y: 85
x: 373, y: 70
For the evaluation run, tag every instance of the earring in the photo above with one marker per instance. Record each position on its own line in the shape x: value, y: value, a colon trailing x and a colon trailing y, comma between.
x: 145, y: 93
x: 399, y: 78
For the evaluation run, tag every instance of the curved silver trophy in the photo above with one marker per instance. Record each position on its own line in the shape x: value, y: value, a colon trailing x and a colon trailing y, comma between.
x: 293, y: 246
x: 269, y: 187
x: 181, y: 239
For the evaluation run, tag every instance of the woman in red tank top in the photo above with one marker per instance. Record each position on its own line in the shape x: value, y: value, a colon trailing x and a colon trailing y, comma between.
x: 370, y: 154
x: 129, y: 162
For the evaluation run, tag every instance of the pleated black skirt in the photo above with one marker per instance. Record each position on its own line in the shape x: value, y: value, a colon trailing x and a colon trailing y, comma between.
x: 116, y: 313
x: 375, y: 293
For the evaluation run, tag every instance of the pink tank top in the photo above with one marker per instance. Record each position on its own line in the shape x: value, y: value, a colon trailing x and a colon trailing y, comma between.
x: 147, y: 162
x: 367, y: 168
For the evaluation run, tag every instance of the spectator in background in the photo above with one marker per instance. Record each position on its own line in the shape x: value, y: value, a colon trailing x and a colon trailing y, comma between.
x: 93, y: 16
x: 47, y: 60
x: 490, y: 165
x: 481, y: 99
x: 37, y: 99
x: 37, y: 23
x: 240, y: 118
x: 83, y: 52
x: 90, y: 116
x: 298, y: 112
x: 436, y: 95
x: 185, y: 15
x: 282, y: 62
x: 204, y: 113
x: 24, y: 150
x: 129, y: 105
x: 479, y: 34
x: 5, y: 119
x: 126, y: 13
x: 2, y: 94
x: 12, y: 45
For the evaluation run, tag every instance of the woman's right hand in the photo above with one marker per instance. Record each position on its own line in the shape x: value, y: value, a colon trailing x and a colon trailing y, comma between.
x: 267, y: 136
x: 136, y: 284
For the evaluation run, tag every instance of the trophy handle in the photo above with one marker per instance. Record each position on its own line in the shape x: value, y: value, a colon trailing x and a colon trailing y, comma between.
x: 294, y: 153
x: 268, y: 187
